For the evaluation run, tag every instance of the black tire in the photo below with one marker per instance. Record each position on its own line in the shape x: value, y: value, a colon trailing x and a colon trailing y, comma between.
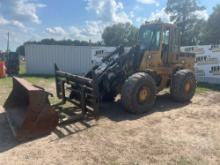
x: 131, y: 91
x: 183, y: 85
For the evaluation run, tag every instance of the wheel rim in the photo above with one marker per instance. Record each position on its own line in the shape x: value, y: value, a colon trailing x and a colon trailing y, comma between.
x: 143, y: 95
x: 187, y: 86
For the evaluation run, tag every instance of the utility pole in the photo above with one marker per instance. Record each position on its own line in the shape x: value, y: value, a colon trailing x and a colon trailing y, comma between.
x: 8, y: 43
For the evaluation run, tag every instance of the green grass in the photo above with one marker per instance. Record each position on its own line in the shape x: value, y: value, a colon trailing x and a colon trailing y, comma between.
x: 204, y: 87
x: 22, y: 69
x: 45, y: 82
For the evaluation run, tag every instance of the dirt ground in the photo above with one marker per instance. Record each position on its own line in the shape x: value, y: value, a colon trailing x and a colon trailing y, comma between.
x: 172, y: 133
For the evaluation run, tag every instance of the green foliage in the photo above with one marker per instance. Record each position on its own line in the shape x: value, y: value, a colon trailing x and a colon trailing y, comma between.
x: 198, y: 32
x: 182, y: 13
x: 20, y: 50
x: 211, y: 33
x: 120, y: 34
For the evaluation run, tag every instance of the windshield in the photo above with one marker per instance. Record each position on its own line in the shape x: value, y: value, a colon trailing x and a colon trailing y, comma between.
x: 149, y: 38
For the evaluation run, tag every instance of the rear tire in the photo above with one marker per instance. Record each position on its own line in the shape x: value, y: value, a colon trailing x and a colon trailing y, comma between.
x: 183, y: 85
x: 139, y: 93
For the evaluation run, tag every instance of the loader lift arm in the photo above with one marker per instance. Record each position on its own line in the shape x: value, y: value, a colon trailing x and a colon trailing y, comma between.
x: 115, y: 69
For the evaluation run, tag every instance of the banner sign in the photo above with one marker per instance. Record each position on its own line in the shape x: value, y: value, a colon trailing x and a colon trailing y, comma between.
x: 207, y: 60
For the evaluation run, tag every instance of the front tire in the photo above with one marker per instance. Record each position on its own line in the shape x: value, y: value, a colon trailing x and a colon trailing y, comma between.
x: 139, y: 93
x: 183, y: 85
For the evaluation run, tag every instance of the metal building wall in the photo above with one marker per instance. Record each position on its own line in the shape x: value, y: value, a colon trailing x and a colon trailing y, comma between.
x: 73, y: 59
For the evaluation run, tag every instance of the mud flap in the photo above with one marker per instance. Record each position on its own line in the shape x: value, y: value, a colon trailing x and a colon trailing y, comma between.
x: 28, y: 111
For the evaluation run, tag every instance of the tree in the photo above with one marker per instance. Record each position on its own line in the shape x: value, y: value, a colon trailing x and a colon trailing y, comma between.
x: 21, y: 50
x: 198, y: 32
x: 212, y: 30
x: 183, y: 14
x: 120, y: 34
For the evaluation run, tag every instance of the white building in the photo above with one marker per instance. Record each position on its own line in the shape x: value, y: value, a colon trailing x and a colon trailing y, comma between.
x: 207, y: 65
x: 73, y: 59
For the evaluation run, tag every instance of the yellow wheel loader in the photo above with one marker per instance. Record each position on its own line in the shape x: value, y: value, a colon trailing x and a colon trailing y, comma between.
x: 153, y: 64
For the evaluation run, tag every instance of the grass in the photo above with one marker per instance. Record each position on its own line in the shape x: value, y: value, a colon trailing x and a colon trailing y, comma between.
x: 204, y: 87
x: 22, y: 68
x: 47, y: 82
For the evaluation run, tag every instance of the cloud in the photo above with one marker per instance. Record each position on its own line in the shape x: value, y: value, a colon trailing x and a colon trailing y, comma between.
x: 15, y: 23
x: 3, y: 21
x: 75, y: 32
x: 21, y: 10
x: 160, y: 14
x: 149, y: 2
x: 141, y: 20
x: 18, y: 24
x: 17, y: 37
x: 16, y: 17
x: 92, y: 30
x: 203, y: 14
x: 108, y: 13
x: 131, y: 14
x: 57, y: 31
x: 108, y: 10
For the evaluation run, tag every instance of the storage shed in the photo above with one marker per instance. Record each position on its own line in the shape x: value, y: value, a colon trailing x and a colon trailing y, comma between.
x: 41, y: 58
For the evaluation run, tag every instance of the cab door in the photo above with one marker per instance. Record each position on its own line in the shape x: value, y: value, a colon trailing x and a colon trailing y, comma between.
x: 170, y: 45
x: 165, y: 52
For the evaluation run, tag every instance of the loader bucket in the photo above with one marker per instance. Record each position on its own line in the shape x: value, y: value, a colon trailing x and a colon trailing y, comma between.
x: 28, y: 111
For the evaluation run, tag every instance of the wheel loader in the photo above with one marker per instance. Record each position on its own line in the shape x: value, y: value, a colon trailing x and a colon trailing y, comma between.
x: 153, y: 64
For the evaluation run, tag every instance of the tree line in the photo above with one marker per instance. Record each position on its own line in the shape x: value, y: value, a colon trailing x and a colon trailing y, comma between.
x: 193, y: 29
x: 21, y: 50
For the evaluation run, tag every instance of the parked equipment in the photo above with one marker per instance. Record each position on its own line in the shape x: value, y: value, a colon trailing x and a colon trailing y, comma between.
x: 2, y: 65
x: 153, y: 64
x: 2, y: 69
x: 28, y: 111
x: 12, y: 63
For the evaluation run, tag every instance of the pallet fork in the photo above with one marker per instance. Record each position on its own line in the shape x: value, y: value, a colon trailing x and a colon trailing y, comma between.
x: 81, y: 92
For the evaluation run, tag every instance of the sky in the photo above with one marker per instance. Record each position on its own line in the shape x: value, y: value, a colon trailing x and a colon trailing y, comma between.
x: 30, y: 20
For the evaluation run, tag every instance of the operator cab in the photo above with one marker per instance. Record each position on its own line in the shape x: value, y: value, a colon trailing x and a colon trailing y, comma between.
x: 161, y: 38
